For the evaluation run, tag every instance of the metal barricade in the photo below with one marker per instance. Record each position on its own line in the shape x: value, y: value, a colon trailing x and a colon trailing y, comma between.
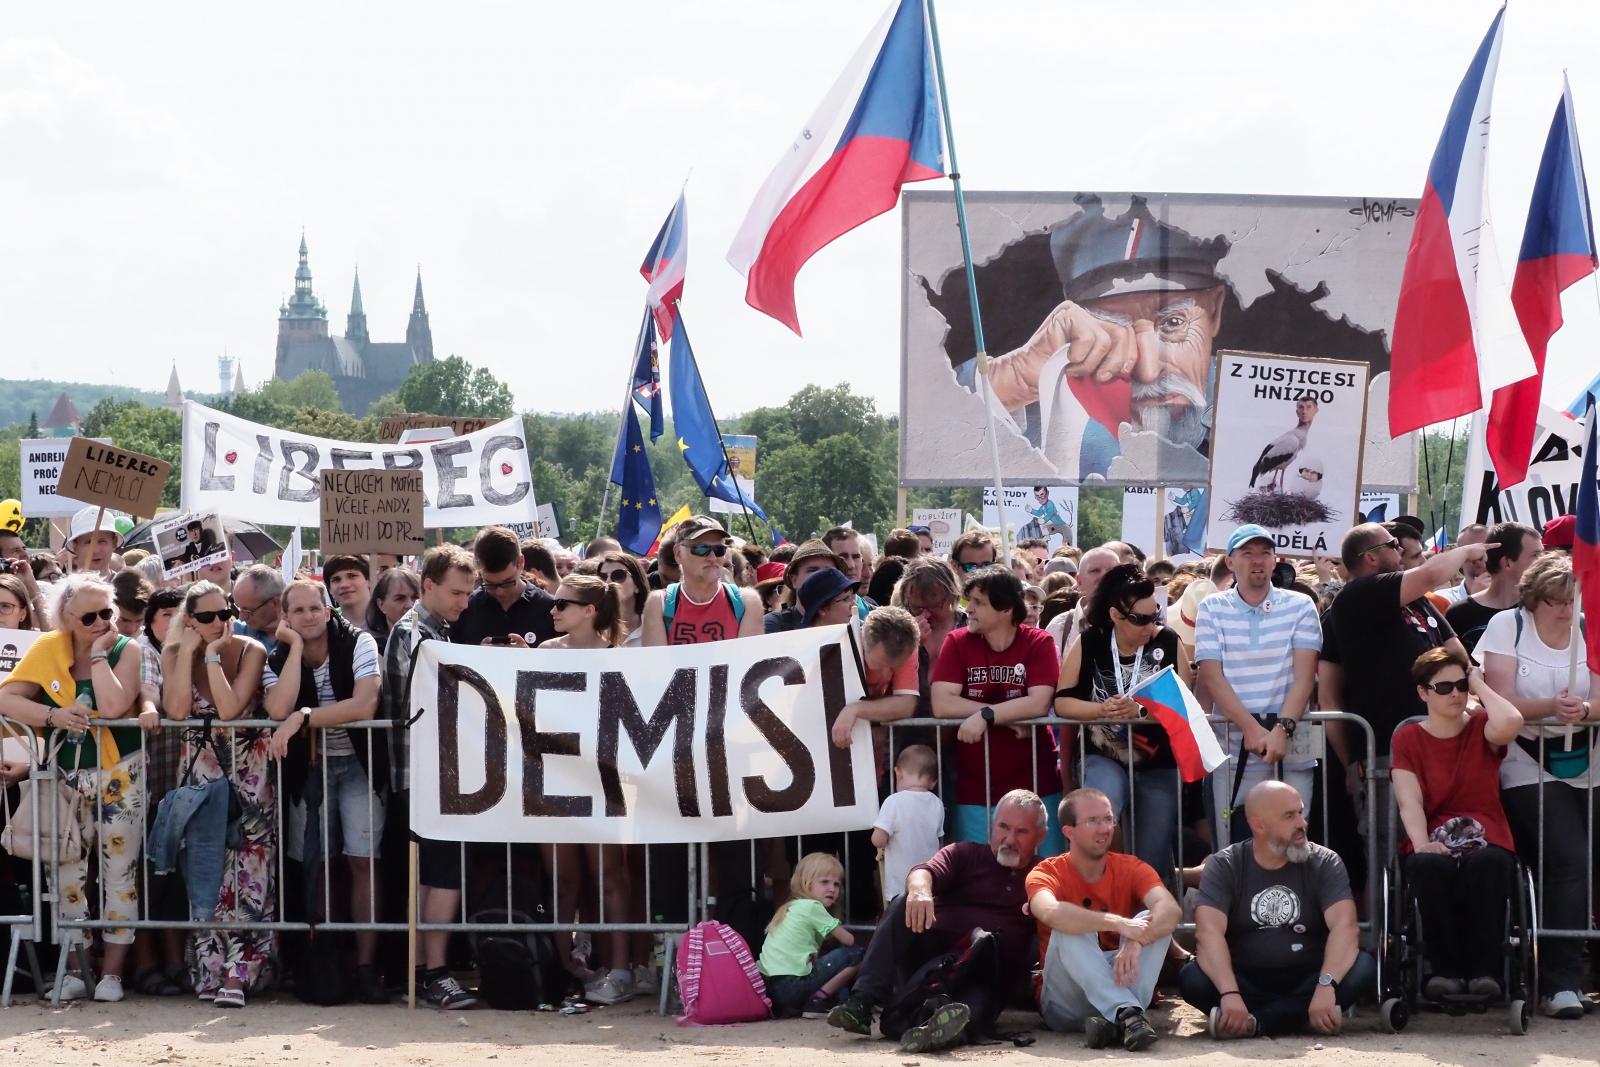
x: 27, y: 927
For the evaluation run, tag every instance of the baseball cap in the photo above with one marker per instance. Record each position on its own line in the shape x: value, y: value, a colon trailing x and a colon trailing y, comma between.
x: 1410, y: 522
x: 1247, y: 533
x: 1560, y: 531
x: 820, y: 588
x: 697, y: 526
x: 769, y: 571
x: 916, y: 529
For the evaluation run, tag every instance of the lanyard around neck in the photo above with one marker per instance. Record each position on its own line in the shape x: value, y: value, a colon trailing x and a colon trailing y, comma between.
x: 1116, y: 665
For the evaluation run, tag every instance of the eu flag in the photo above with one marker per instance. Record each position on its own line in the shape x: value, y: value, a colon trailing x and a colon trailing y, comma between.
x: 699, y: 440
x: 646, y: 387
x: 639, y: 517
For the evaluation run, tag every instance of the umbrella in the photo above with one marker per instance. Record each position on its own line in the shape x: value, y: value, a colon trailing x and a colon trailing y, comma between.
x: 248, y: 541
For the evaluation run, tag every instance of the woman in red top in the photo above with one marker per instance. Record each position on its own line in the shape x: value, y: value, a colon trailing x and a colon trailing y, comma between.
x: 1457, y: 846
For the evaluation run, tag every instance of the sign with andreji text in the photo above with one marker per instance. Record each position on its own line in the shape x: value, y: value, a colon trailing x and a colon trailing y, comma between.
x: 718, y: 741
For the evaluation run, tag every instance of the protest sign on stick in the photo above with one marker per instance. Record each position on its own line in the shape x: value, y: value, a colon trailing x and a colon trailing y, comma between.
x: 371, y: 511
x: 113, y: 477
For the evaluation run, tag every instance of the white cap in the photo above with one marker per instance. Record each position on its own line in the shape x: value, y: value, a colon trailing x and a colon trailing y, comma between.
x: 83, y: 523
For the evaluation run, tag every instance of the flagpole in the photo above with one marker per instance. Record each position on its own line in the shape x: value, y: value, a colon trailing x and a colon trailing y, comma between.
x: 972, y: 282
x: 727, y: 461
x: 627, y: 398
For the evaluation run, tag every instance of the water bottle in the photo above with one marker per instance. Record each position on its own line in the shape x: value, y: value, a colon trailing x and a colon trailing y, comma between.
x: 658, y: 955
x: 86, y: 702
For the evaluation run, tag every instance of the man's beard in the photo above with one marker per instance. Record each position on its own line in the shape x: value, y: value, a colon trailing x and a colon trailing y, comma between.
x: 1297, y: 852
x: 1007, y: 856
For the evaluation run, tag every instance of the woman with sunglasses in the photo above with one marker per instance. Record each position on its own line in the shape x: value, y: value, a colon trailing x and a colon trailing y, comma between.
x: 588, y: 615
x: 1456, y: 846
x: 626, y: 574
x: 1122, y: 643
x: 397, y: 589
x: 86, y: 668
x: 209, y: 671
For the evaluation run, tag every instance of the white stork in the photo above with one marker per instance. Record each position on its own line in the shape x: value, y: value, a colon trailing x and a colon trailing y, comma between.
x: 1276, y: 457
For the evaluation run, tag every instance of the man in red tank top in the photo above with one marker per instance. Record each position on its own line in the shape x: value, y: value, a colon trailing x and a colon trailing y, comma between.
x: 699, y: 608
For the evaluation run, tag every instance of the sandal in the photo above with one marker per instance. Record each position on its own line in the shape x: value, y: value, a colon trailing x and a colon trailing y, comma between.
x: 154, y: 982
x: 230, y: 998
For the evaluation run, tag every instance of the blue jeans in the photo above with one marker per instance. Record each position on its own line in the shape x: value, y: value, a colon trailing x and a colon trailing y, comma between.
x: 1152, y: 831
x: 790, y: 992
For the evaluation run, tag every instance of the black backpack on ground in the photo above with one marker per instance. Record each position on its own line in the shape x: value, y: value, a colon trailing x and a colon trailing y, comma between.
x: 518, y: 971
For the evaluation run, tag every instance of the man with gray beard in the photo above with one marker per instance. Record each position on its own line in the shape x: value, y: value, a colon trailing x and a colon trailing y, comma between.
x: 1276, y: 929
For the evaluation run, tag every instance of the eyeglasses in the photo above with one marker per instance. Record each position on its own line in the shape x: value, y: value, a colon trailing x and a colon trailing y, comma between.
x: 617, y: 576
x: 562, y: 604
x: 709, y: 550
x: 1380, y: 546
x: 970, y: 567
x: 244, y: 611
x: 104, y: 615
x: 1139, y: 619
x: 510, y: 583
x: 1444, y: 689
x: 208, y: 617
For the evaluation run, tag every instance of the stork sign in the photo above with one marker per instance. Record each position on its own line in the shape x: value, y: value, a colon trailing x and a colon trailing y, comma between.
x: 1286, y: 450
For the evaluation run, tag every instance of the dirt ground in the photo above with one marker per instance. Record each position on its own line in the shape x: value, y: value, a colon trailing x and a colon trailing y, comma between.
x: 177, y: 1031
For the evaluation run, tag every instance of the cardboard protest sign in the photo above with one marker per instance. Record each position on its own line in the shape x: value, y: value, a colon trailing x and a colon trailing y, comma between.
x: 42, y: 459
x: 944, y: 526
x: 724, y: 740
x: 1049, y: 512
x: 113, y: 478
x: 1287, y: 451
x: 186, y: 542
x: 392, y: 426
x: 1181, y: 523
x: 371, y: 511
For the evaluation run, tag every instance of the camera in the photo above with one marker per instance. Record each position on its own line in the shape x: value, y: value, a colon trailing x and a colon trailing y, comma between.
x: 9, y: 566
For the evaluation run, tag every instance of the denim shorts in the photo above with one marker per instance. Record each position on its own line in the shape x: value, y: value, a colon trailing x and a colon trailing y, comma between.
x: 346, y: 808
x: 790, y: 992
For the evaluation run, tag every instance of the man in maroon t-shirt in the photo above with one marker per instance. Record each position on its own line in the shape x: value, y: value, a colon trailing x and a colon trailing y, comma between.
x: 965, y: 903
x: 990, y: 673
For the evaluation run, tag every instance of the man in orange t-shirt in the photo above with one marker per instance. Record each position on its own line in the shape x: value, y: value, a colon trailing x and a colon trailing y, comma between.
x: 1105, y: 921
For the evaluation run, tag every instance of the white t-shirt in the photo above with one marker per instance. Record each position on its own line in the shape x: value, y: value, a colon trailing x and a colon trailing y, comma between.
x: 1541, y: 673
x: 336, y: 742
x: 914, y: 821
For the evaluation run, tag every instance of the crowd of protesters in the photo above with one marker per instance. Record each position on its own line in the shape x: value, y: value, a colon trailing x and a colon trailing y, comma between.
x: 1044, y: 864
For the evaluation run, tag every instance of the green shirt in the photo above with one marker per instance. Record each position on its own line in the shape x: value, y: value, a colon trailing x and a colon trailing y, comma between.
x: 76, y: 754
x: 790, y: 948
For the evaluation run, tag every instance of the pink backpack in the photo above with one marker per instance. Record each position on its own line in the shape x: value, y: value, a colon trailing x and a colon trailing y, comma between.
x: 718, y: 979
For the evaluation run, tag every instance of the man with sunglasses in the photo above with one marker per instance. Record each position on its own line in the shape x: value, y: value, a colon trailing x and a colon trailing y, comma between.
x: 1378, y: 625
x: 701, y: 607
x: 508, y: 608
x: 971, y: 552
x: 1255, y: 650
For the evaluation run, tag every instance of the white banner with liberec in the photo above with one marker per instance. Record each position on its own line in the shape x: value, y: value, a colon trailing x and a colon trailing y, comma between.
x: 719, y: 741
x: 243, y: 470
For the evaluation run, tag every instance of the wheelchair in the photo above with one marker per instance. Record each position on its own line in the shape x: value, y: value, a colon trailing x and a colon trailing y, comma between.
x: 1403, y: 959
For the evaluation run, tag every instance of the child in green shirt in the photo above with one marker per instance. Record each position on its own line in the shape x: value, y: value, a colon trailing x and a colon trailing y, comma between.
x: 797, y: 978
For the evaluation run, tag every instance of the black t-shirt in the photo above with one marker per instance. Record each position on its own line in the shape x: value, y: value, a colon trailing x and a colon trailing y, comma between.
x: 484, y: 617
x: 1468, y: 619
x: 1097, y: 682
x: 1378, y: 638
x: 1275, y: 918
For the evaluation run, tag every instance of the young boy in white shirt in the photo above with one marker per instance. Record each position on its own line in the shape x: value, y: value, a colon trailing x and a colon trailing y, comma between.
x: 911, y: 820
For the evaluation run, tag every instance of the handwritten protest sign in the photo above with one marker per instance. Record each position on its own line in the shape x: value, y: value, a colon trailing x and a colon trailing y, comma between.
x: 392, y: 426
x: 113, y: 477
x: 371, y: 511
x: 41, y: 472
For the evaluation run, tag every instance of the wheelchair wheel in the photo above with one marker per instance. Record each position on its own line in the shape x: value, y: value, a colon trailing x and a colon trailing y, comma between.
x: 1393, y: 1014
x: 1521, y: 1014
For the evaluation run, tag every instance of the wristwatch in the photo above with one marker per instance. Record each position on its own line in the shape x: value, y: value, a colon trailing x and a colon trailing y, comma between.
x: 1326, y: 979
x: 987, y: 713
x: 1289, y: 725
x: 214, y: 658
x: 307, y: 713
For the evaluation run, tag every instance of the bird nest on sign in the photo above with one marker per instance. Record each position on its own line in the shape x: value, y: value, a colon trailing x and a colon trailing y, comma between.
x: 1278, y: 510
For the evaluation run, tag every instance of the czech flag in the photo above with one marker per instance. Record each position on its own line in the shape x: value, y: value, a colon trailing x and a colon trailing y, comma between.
x: 1194, y: 742
x: 1456, y: 338
x: 1558, y: 250
x: 666, y: 265
x: 877, y: 129
x: 1586, y: 542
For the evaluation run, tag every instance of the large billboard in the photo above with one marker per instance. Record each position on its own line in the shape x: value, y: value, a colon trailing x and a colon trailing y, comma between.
x: 1102, y: 315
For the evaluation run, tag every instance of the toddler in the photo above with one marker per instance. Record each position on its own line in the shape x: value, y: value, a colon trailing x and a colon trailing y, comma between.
x: 797, y: 978
x: 911, y: 820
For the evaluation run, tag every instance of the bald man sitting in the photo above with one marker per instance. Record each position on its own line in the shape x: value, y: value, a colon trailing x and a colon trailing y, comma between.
x: 1276, y: 929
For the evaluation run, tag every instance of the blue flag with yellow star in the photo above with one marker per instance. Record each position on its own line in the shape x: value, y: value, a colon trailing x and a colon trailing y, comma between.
x: 639, y: 516
x: 699, y: 440
x: 647, y: 375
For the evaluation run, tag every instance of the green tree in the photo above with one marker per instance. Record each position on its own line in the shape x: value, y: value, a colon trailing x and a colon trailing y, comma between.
x: 1439, y: 476
x: 33, y: 424
x: 453, y: 387
x: 105, y: 413
x: 154, y: 432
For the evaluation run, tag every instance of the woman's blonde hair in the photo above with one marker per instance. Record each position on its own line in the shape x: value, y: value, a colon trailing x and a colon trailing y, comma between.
x: 1547, y: 578
x: 812, y: 865
x: 606, y: 599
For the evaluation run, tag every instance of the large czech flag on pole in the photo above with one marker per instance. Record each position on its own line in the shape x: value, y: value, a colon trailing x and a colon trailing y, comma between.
x: 1194, y: 742
x: 1586, y: 543
x: 1456, y: 338
x: 877, y: 129
x: 665, y: 266
x: 1558, y: 250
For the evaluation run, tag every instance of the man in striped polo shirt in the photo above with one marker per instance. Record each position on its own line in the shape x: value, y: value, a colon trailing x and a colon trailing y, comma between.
x: 1256, y: 650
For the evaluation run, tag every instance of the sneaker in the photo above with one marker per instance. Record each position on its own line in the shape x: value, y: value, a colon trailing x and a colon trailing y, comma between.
x: 109, y: 989
x: 1137, y: 1033
x: 854, y: 1016
x: 73, y: 987
x: 1438, y: 987
x: 1563, y: 1005
x: 1214, y: 1027
x: 369, y: 987
x: 942, y: 1030
x: 1484, y: 986
x: 1099, y: 1032
x: 614, y: 987
x: 818, y: 1007
x: 644, y: 981
x: 446, y: 994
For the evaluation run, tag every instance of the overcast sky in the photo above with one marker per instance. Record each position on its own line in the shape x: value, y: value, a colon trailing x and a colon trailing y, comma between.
x: 159, y: 161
